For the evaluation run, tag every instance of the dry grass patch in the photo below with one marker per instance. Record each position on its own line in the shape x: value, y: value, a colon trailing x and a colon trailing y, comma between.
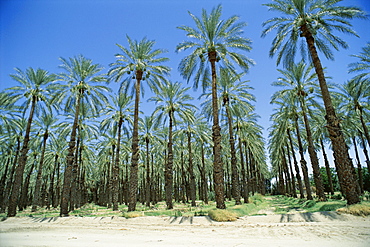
x: 133, y: 214
x: 222, y: 215
x: 362, y: 209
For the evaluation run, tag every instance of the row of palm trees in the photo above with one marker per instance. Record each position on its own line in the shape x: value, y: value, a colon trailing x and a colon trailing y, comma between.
x: 214, y: 61
x: 171, y: 100
x: 297, y: 106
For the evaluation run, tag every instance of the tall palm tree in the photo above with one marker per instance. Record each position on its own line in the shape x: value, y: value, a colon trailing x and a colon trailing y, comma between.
x: 79, y: 75
x: 355, y: 95
x: 36, y: 88
x: 287, y: 115
x: 236, y: 101
x: 149, y: 127
x: 46, y: 122
x: 298, y: 81
x: 171, y: 100
x: 214, y: 40
x: 250, y: 135
x: 203, y: 138
x: 315, y: 21
x: 11, y: 138
x: 119, y: 111
x: 57, y: 147
x: 144, y: 62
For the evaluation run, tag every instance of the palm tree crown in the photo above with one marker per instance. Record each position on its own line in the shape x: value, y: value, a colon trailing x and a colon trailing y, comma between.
x: 213, y: 39
x: 364, y: 64
x: 172, y: 98
x: 300, y: 17
x: 139, y: 61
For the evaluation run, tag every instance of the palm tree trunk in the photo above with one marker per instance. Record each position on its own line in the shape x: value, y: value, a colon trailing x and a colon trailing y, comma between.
x: 289, y: 188
x: 73, y: 194
x: 23, y: 200
x: 51, y: 196
x: 2, y: 183
x: 37, y: 192
x: 296, y: 167
x: 303, y: 163
x: 183, y: 176
x: 294, y: 192
x: 13, y: 200
x: 9, y: 183
x: 247, y: 170
x: 340, y: 148
x: 169, y: 164
x: 281, y: 182
x: 313, y: 156
x: 234, y: 168
x: 327, y: 168
x: 66, y: 191
x: 252, y: 172
x: 366, y: 132
x: 148, y: 187
x: 245, y: 192
x: 359, y: 168
x: 204, y: 177
x: 135, y: 147
x: 191, y: 172
x: 57, y: 187
x: 218, y: 173
x: 115, y: 169
x: 365, y: 152
x: 109, y: 180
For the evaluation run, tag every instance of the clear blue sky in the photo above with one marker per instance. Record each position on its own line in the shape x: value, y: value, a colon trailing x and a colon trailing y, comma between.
x: 35, y: 33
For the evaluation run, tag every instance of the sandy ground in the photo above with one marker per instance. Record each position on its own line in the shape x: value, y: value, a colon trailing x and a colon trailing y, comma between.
x: 299, y: 229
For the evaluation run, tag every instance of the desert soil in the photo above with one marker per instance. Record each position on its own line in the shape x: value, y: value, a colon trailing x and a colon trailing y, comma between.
x: 298, y: 229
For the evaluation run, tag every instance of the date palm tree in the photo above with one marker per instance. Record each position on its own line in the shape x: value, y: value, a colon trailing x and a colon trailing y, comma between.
x: 355, y: 95
x: 36, y: 87
x: 46, y: 122
x: 172, y: 100
x: 298, y: 82
x: 148, y: 129
x: 119, y: 112
x: 144, y: 62
x: 79, y: 75
x: 287, y: 113
x: 250, y: 136
x: 214, y: 41
x: 316, y: 21
x: 235, y: 98
x: 203, y: 138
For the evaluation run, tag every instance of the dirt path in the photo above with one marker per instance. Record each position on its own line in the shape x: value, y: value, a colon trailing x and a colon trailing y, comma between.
x: 302, y: 229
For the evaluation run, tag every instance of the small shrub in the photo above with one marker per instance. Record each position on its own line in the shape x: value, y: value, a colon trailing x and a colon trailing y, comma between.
x: 133, y: 214
x: 222, y: 215
x: 357, y: 209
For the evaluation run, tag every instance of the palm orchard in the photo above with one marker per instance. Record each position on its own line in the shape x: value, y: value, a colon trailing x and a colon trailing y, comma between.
x: 69, y: 139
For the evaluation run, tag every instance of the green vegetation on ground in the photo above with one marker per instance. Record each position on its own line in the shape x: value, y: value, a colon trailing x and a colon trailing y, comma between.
x: 257, y: 204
